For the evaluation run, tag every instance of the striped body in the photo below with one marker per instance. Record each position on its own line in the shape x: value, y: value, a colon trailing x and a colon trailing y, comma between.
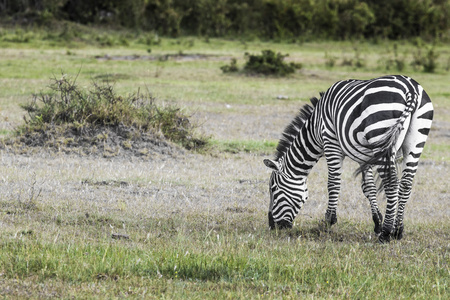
x: 370, y: 121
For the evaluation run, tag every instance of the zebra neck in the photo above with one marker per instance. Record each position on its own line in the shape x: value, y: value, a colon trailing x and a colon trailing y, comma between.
x: 303, y: 153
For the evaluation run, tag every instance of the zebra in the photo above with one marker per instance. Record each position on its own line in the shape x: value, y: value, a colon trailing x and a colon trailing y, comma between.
x: 373, y: 122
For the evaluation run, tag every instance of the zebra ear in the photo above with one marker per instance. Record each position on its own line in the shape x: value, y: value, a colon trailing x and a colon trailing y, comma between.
x: 272, y: 164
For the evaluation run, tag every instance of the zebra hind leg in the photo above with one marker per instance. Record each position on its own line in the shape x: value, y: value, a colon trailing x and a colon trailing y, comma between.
x: 388, y: 174
x: 410, y: 164
x: 404, y: 193
x: 412, y: 149
x: 370, y: 191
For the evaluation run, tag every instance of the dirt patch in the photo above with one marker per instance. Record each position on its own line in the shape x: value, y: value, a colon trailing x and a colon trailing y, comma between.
x: 162, y: 57
x: 114, y: 77
x: 98, y: 141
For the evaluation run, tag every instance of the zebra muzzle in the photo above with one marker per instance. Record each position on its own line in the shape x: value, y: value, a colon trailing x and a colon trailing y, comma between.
x: 271, y: 221
x: 283, y: 224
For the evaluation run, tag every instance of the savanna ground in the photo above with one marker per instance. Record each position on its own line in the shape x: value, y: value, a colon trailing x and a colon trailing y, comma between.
x: 185, y: 224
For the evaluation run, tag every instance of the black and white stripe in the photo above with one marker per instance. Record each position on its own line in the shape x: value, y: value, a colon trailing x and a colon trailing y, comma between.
x: 370, y: 121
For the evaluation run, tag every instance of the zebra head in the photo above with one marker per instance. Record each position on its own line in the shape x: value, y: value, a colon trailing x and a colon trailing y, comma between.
x: 287, y: 195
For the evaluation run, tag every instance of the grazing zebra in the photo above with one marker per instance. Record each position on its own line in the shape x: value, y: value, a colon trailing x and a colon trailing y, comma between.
x: 371, y: 121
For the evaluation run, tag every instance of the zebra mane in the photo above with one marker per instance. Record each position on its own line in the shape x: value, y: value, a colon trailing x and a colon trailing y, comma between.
x: 292, y: 130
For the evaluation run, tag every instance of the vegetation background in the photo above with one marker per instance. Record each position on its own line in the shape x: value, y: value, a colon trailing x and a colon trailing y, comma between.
x: 270, y: 19
x: 111, y: 212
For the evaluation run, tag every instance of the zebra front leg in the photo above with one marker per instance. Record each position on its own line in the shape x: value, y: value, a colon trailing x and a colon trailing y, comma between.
x: 370, y: 191
x: 334, y: 187
x: 389, y: 178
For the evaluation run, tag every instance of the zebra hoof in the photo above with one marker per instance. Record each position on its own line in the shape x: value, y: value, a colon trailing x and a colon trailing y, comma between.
x: 378, y: 220
x: 398, y: 233
x: 330, y: 218
x: 384, y: 238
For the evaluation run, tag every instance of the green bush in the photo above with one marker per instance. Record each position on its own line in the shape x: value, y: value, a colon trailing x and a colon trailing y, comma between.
x: 425, y: 59
x: 231, y: 68
x: 394, y: 60
x: 330, y: 60
x: 68, y: 105
x: 269, y: 63
x: 19, y: 36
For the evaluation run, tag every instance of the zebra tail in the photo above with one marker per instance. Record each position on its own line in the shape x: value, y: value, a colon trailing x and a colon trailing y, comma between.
x: 385, y: 148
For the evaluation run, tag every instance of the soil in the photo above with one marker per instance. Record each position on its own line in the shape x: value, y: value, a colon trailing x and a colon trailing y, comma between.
x: 176, y: 57
x: 98, y: 141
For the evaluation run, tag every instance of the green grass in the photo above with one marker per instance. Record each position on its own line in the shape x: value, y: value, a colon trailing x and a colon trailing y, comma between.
x: 197, y: 223
x: 236, y: 261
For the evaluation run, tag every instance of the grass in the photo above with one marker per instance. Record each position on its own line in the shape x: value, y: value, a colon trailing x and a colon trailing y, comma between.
x: 437, y: 152
x: 202, y: 253
x: 197, y: 223
x: 173, y: 260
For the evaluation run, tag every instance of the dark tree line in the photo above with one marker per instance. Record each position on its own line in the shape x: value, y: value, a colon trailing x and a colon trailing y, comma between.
x: 336, y: 19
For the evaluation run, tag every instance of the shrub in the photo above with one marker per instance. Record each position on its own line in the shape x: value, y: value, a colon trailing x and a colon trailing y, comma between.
x: 99, y: 106
x: 231, y: 68
x: 395, y: 61
x: 427, y: 60
x: 330, y: 60
x: 430, y: 61
x: 269, y: 63
x: 356, y: 61
x: 19, y: 36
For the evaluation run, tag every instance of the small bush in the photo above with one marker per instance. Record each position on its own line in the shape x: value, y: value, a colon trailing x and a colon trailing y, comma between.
x: 99, y: 106
x: 356, y: 61
x: 149, y: 39
x: 330, y: 60
x: 427, y: 60
x: 269, y: 63
x: 430, y: 61
x: 231, y: 68
x: 395, y: 61
x: 19, y: 36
